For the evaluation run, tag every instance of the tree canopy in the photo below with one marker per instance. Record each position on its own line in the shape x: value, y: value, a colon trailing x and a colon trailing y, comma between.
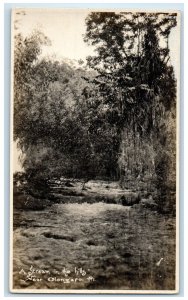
x: 103, y: 120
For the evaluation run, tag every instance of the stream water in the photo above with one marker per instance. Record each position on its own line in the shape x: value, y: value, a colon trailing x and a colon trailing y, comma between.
x: 93, y: 246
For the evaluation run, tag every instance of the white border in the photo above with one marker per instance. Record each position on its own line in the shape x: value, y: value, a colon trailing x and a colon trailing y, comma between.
x: 95, y: 291
x: 2, y: 128
x: 2, y: 148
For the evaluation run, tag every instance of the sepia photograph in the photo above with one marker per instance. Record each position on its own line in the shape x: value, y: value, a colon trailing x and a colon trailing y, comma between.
x: 94, y: 151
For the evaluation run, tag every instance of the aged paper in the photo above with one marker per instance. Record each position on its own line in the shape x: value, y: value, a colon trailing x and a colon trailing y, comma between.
x: 94, y: 151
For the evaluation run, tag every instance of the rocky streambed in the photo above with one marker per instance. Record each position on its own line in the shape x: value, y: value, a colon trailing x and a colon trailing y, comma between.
x: 93, y: 245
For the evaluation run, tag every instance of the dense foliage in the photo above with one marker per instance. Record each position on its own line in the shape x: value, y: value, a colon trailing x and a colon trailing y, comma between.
x: 102, y: 123
x: 139, y: 89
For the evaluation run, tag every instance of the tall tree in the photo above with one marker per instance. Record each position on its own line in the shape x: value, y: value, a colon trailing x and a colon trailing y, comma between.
x: 135, y: 78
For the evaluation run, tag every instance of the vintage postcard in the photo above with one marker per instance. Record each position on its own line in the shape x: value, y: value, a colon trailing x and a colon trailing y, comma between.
x: 94, y: 151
